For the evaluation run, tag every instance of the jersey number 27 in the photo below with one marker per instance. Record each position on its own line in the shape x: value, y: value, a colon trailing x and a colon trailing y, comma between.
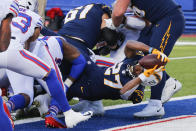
x: 114, y: 70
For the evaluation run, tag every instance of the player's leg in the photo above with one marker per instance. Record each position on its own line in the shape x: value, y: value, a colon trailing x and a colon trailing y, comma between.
x: 50, y: 119
x: 26, y: 63
x: 22, y: 87
x: 95, y: 106
x: 164, y: 35
x: 5, y: 122
x: 166, y: 32
x: 71, y: 117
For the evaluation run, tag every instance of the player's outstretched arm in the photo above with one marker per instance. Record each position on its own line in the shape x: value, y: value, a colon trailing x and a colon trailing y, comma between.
x: 136, y: 45
x: 144, y: 78
x: 118, y: 12
x: 77, y: 60
x: 131, y: 84
x: 5, y: 33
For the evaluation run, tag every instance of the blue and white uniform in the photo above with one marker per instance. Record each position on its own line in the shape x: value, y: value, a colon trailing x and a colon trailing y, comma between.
x: 6, y: 7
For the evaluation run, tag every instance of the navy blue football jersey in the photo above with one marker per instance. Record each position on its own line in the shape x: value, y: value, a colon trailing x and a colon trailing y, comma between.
x: 153, y: 10
x: 84, y: 23
x: 98, y: 83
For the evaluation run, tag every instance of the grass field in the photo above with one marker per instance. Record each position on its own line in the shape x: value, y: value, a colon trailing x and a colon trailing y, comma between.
x: 189, y: 39
x: 183, y: 70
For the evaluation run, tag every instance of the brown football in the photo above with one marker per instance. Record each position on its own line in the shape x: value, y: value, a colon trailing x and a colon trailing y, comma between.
x: 149, y: 61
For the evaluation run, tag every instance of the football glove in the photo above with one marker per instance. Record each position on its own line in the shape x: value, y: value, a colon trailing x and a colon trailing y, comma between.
x: 152, y: 71
x: 147, y: 73
x: 159, y: 54
x: 137, y: 96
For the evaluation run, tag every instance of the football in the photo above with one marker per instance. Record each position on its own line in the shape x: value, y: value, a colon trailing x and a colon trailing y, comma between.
x: 149, y: 61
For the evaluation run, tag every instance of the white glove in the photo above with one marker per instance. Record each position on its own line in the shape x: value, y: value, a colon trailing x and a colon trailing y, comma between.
x: 68, y: 82
x: 159, y: 54
x: 151, y: 77
x: 110, y: 24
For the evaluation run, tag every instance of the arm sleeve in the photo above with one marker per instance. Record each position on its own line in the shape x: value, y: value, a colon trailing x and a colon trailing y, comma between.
x: 78, y: 66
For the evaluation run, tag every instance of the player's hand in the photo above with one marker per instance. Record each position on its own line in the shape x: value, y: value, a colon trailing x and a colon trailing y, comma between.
x: 160, y: 55
x: 137, y: 96
x: 154, y: 70
x: 109, y: 24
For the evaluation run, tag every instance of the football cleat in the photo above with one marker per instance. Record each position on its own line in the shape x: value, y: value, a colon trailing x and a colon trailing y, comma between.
x: 96, y: 107
x: 8, y: 114
x: 172, y: 86
x: 153, y: 109
x: 80, y: 106
x: 72, y: 118
x: 53, y: 122
x: 42, y: 103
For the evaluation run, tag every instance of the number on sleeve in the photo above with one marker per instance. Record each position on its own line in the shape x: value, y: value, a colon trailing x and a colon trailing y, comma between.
x: 24, y: 24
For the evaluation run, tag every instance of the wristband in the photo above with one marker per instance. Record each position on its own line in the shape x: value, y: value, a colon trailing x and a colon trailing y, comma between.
x: 142, y: 77
x: 150, y: 50
x: 68, y: 82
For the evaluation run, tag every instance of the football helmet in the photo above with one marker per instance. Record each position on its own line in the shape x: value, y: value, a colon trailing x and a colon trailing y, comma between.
x: 29, y: 4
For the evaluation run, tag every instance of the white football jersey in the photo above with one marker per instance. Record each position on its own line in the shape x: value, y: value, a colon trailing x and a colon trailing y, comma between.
x: 55, y: 47
x: 24, y: 25
x: 119, y: 54
x: 6, y: 7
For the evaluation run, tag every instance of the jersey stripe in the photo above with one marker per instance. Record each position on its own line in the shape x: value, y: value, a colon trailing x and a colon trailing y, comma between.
x: 56, y: 69
x: 105, y: 63
x: 14, y: 12
x: 34, y: 60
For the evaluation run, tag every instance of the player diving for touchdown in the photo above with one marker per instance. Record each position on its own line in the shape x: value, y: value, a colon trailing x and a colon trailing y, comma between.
x: 116, y: 82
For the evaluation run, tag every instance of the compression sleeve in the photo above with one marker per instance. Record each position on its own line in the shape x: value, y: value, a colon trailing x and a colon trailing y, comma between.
x: 78, y: 66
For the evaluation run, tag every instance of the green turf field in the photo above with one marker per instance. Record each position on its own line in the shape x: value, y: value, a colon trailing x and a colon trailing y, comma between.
x: 189, y: 39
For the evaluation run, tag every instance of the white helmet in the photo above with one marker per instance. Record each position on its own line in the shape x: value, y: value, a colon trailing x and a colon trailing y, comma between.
x: 29, y: 4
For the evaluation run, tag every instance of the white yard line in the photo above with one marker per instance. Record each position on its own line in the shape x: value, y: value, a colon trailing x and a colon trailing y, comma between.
x: 29, y: 120
x: 172, y: 123
x: 145, y: 102
x: 180, y: 58
x: 185, y: 43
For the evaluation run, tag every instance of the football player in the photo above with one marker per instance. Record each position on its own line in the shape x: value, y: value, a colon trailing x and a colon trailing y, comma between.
x: 90, y: 20
x: 85, y: 25
x: 27, y: 28
x: 116, y: 82
x: 8, y: 10
x: 167, y: 24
